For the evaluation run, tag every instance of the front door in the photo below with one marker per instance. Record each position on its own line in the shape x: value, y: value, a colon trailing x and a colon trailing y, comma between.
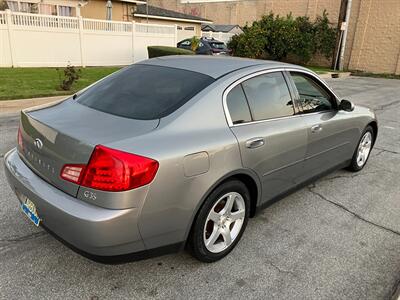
x: 330, y: 135
x: 272, y: 138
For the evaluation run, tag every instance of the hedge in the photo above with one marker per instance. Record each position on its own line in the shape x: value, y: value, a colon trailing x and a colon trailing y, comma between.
x: 286, y: 38
x: 156, y: 51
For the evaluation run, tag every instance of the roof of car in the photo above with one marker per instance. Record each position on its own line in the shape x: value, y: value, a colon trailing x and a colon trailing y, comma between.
x: 210, y: 65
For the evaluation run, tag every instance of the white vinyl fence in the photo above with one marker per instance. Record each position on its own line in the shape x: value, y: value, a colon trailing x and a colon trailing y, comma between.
x: 33, y: 40
x: 220, y: 36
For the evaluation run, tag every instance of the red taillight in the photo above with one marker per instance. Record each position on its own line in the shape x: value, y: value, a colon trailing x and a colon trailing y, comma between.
x: 112, y: 170
x: 19, y: 139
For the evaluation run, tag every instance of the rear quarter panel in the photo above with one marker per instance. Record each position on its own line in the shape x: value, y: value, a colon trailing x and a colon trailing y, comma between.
x: 174, y: 197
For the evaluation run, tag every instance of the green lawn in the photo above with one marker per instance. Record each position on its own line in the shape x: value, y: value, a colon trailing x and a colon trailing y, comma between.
x: 19, y: 83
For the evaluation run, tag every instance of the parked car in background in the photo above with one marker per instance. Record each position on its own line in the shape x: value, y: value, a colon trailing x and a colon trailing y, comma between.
x: 181, y: 151
x: 207, y: 46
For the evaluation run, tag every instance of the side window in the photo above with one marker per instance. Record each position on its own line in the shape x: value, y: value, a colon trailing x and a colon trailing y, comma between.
x: 185, y: 43
x: 313, y: 98
x: 268, y: 96
x: 237, y: 106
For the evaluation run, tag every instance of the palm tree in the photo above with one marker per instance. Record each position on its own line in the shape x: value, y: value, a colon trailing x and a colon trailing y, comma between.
x: 194, y: 43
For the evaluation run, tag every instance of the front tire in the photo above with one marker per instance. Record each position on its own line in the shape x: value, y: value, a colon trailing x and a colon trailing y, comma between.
x: 221, y: 221
x: 363, y: 150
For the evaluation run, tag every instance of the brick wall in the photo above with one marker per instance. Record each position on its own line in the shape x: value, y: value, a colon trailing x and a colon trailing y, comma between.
x: 373, y: 41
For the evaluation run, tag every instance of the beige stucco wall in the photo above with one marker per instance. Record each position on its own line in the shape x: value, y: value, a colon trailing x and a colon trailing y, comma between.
x: 374, y: 36
x: 96, y: 9
x: 373, y: 41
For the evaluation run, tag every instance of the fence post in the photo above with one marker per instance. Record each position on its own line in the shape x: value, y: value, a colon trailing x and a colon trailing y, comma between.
x: 81, y: 41
x: 133, y: 40
x: 10, y: 36
x: 175, y: 35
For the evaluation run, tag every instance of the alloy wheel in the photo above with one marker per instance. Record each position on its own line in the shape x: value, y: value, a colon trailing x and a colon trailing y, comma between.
x: 364, y: 149
x: 224, y: 222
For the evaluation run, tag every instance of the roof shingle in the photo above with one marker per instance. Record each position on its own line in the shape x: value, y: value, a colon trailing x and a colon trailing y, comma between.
x: 161, y: 12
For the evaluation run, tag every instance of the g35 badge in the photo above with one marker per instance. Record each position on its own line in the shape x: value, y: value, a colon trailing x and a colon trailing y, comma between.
x: 89, y: 195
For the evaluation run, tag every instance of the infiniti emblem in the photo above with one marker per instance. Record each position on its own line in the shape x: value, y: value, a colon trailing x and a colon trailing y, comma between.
x: 38, y: 144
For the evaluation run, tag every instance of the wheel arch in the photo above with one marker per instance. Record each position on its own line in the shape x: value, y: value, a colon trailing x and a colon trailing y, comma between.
x: 248, y: 177
x: 374, y: 126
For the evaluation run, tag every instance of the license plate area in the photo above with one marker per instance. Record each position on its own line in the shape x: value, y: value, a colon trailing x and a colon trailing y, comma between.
x: 29, y: 209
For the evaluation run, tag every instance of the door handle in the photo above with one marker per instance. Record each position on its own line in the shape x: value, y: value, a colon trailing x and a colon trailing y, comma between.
x: 255, y: 143
x: 316, y: 128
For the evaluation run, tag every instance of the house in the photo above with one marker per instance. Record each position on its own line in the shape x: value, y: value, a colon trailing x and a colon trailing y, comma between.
x: 122, y: 10
x: 116, y: 10
x: 187, y: 25
x: 234, y: 29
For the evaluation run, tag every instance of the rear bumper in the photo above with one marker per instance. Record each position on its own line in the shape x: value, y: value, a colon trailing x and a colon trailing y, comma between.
x: 90, y: 228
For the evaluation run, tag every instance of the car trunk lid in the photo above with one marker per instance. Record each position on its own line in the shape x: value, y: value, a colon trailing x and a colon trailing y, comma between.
x: 66, y: 133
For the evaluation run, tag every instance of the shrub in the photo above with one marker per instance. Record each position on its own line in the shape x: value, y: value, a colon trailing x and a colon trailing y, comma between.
x: 71, y: 75
x: 325, y: 36
x: 156, y: 51
x: 249, y: 44
x: 285, y: 38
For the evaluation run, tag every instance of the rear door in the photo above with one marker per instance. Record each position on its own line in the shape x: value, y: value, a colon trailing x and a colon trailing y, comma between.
x: 272, y: 138
x: 329, y: 130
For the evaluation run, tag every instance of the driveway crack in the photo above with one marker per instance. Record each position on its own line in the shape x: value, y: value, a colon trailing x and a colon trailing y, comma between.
x: 354, y: 175
x: 385, y: 150
x: 23, y: 238
x: 279, y: 269
x: 382, y: 107
x: 354, y: 214
x: 395, y: 290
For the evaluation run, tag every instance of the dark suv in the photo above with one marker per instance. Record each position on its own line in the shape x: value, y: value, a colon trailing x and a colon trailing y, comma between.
x: 207, y: 46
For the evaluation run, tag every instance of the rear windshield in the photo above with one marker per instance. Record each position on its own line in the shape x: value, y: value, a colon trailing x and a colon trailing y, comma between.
x: 144, y: 92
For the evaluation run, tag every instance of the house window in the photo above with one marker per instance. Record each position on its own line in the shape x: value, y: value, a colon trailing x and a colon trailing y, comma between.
x: 191, y: 28
x: 48, y: 9
x: 66, y: 11
x: 179, y: 27
x: 28, y: 7
x: 13, y: 5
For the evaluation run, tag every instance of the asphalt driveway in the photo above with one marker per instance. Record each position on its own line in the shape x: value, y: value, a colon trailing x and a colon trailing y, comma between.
x: 336, y: 239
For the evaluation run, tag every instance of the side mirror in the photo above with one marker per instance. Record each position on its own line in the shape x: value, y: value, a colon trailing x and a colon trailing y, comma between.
x: 346, y: 105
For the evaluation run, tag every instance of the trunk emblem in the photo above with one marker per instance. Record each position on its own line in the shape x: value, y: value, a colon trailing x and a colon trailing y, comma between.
x: 38, y: 144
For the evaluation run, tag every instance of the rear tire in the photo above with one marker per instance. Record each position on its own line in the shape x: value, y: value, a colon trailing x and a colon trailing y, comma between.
x: 220, y: 222
x: 363, y: 150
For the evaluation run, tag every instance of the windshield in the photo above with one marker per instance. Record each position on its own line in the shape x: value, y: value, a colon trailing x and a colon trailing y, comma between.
x: 144, y: 92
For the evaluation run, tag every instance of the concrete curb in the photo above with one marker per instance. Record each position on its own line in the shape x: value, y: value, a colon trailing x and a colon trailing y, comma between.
x: 15, y: 106
x: 335, y: 75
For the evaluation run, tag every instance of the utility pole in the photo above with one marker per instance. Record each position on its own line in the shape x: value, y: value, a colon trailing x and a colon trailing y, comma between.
x: 339, y: 34
x: 345, y: 29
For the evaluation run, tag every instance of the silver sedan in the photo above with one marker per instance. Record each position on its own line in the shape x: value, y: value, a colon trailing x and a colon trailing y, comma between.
x: 179, y: 151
